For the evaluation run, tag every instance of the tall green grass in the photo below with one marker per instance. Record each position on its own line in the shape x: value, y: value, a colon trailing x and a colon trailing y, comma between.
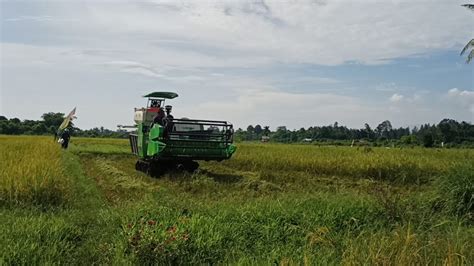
x: 270, y: 204
x: 455, y: 191
x: 31, y: 172
x: 324, y: 229
x: 412, y: 165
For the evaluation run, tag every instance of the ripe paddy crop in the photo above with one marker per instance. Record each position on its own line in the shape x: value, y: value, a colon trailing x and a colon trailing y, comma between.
x: 31, y: 172
x: 409, y: 165
x: 269, y: 204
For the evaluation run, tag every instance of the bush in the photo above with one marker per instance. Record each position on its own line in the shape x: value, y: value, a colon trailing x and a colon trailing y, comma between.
x: 428, y: 141
x: 456, y: 191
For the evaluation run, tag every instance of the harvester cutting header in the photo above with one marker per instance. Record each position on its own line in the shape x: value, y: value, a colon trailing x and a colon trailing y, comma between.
x: 163, y: 142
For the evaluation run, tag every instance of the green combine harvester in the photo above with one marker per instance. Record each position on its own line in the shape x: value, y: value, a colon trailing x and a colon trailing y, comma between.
x: 163, y: 142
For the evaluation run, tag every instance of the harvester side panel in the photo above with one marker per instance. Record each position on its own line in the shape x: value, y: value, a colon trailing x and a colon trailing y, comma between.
x: 184, y: 139
x: 133, y: 138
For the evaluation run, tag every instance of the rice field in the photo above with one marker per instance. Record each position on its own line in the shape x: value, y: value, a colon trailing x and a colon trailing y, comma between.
x: 31, y: 172
x: 270, y: 204
x: 409, y: 165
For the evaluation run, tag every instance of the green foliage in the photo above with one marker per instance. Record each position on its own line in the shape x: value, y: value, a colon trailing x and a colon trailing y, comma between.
x: 408, y: 166
x: 448, y: 131
x: 470, y: 44
x: 451, y: 132
x: 53, y: 120
x: 270, y: 204
x: 30, y: 237
x: 456, y: 190
x: 409, y: 140
x: 49, y: 126
x: 167, y: 235
x: 428, y: 141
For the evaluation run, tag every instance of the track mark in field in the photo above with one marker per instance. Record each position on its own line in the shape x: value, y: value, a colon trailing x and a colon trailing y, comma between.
x: 117, y: 185
x: 222, y: 171
x: 286, y: 177
x: 97, y: 223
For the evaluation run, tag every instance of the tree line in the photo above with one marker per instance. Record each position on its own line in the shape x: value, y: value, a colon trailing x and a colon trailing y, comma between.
x: 447, y: 132
x: 49, y: 124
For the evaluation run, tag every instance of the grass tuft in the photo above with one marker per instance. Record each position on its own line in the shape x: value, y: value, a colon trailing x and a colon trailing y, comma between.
x: 456, y: 191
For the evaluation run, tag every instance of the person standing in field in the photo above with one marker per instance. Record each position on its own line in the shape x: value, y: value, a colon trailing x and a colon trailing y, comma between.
x: 160, y: 115
x: 168, y: 121
x: 66, y: 137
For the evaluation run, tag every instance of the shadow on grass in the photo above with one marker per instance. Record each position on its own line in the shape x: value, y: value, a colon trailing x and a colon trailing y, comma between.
x: 99, y: 153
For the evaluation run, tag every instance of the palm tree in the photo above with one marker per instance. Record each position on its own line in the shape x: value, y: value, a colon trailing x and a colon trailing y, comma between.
x: 470, y: 44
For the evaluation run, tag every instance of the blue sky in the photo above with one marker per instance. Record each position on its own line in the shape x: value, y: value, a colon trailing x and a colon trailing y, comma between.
x: 298, y: 63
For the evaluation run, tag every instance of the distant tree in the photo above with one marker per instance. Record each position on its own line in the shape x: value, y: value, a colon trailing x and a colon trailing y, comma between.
x: 15, y: 120
x: 13, y: 127
x: 53, y: 120
x: 410, y: 140
x: 428, y: 140
x: 2, y: 118
x: 52, y: 129
x: 39, y: 129
x: 449, y: 129
x: 282, y: 134
x: 301, y: 134
x: 368, y: 131
x: 384, y: 129
x: 258, y: 129
x: 470, y: 44
x: 281, y: 128
x: 266, y: 130
x: 250, y: 129
x: 239, y: 134
x: 249, y: 133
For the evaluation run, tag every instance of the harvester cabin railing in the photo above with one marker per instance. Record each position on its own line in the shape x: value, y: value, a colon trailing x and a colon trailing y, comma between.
x: 200, y: 131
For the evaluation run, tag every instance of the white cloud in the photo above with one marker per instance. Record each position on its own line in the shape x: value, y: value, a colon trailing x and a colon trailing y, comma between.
x: 396, y: 97
x: 463, y: 98
x: 274, y: 107
x: 264, y: 104
x: 248, y: 33
x: 455, y: 92
x: 243, y: 33
x: 39, y: 19
x: 136, y: 67
x: 387, y: 87
x: 110, y: 46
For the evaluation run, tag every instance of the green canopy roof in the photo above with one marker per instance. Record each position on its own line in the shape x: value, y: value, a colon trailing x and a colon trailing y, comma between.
x: 161, y: 94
